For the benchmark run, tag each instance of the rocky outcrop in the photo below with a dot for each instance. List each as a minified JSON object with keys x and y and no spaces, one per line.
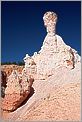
{"x":54,"y":99}
{"x":30,"y":66}
{"x":54,"y":52}
{"x":16,"y":91}
{"x":56,"y":71}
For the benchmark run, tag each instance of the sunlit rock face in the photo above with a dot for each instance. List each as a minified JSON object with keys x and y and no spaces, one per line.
{"x":16,"y":91}
{"x":54,"y":52}
{"x":56,"y":72}
{"x":50,"y":19}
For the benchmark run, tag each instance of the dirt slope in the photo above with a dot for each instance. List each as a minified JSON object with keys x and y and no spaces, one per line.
{"x":56,"y":98}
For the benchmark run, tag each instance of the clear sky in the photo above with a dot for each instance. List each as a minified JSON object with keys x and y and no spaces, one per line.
{"x":23,"y":31}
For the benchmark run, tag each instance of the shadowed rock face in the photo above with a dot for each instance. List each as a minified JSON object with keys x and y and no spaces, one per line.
{"x":3,"y":78}
{"x":3,"y":83}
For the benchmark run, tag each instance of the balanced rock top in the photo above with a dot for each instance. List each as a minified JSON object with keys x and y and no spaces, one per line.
{"x":50,"y":19}
{"x":54,"y":52}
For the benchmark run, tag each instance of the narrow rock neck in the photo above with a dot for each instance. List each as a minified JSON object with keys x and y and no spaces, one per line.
{"x":51,"y":30}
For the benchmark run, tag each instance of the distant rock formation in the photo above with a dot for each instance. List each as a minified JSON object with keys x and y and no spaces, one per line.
{"x":9,"y":68}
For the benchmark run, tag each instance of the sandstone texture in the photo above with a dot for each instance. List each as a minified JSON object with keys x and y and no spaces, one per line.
{"x":55,"y":76}
{"x":56,"y":98}
{"x":16,"y":91}
{"x":54,"y":52}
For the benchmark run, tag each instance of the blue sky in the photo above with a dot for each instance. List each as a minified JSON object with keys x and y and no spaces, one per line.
{"x":23,"y":31}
